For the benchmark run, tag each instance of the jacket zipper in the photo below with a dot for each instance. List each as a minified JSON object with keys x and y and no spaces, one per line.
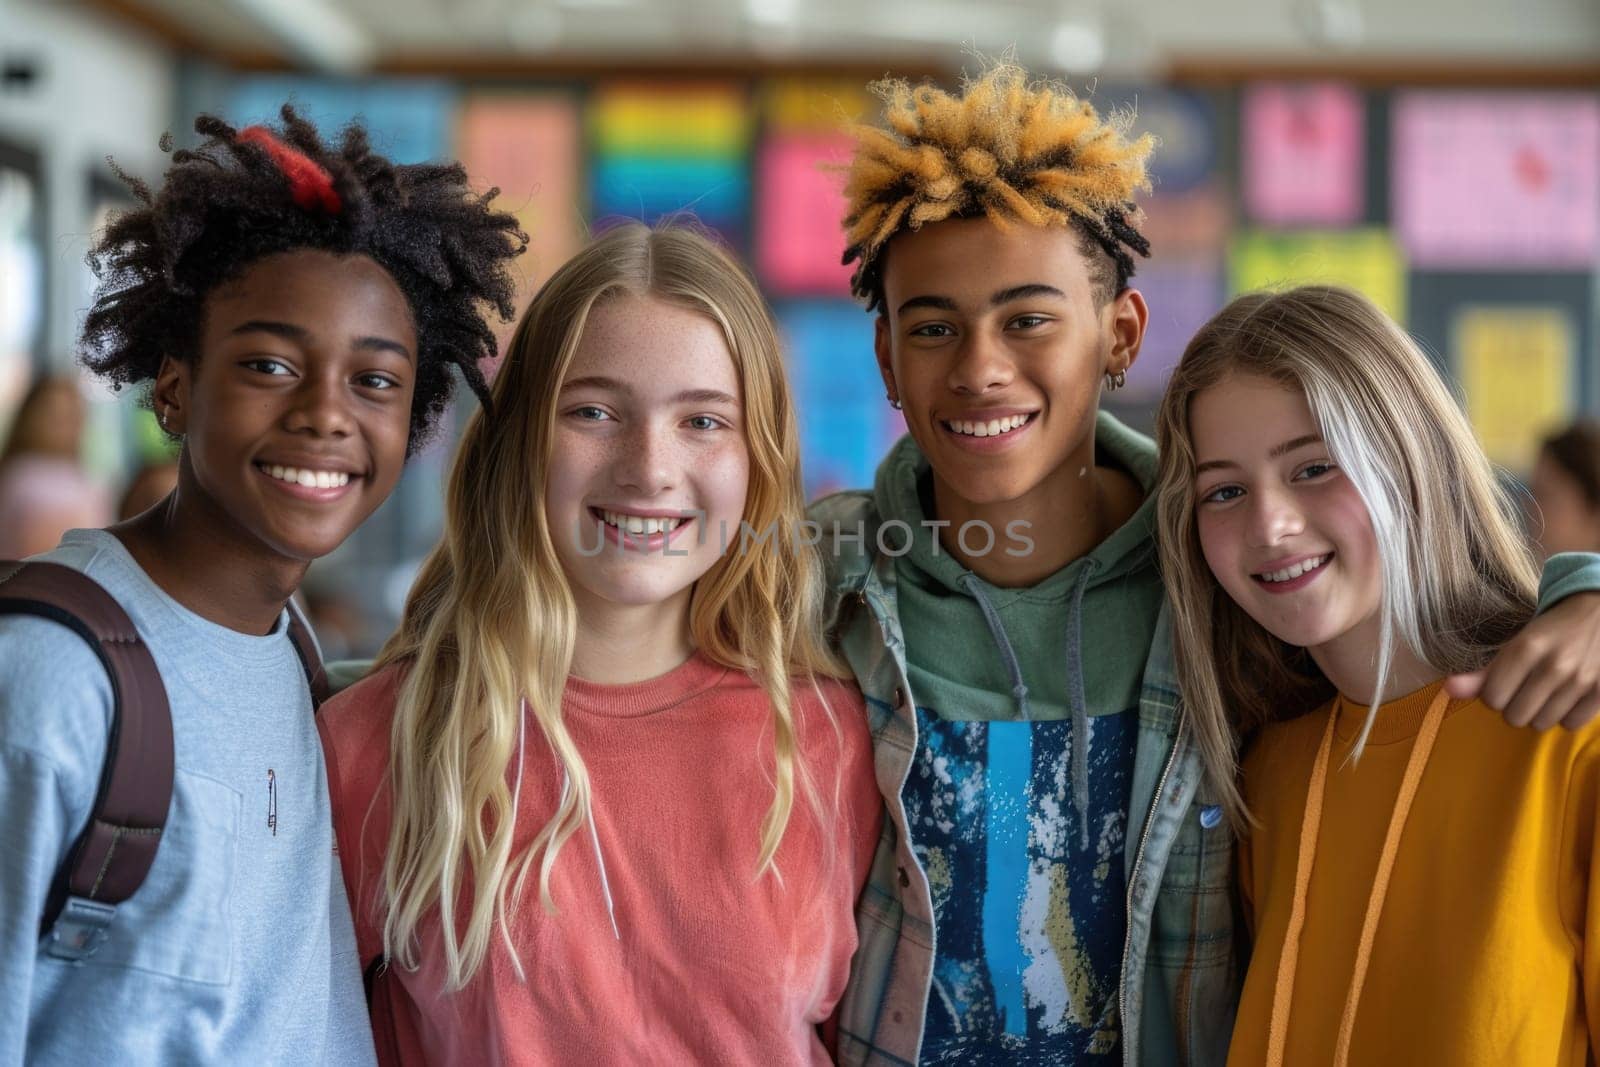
{"x":878,"y":620}
{"x":1133,"y":880}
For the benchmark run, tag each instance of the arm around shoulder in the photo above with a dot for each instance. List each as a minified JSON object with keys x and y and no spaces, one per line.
{"x":1567,"y":573}
{"x":1549,"y":674}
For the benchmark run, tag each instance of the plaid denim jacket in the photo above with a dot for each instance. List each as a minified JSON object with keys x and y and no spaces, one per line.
{"x":1181,"y":970}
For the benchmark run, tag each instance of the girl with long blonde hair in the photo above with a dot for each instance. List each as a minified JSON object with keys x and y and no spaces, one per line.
{"x":1419,"y":876}
{"x":605,"y":797}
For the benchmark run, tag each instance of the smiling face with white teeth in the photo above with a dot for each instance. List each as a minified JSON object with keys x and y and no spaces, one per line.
{"x":649,"y":462}
{"x":997,"y":344}
{"x":297,"y":411}
{"x":1283,"y":530}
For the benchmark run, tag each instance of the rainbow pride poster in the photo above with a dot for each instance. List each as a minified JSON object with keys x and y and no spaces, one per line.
{"x":663,"y":150}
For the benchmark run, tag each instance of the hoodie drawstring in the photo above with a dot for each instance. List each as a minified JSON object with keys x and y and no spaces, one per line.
{"x":1289,"y":961}
{"x":1019,"y":690}
{"x":1075,"y":693}
{"x":1080,"y":706}
{"x":566,"y":787}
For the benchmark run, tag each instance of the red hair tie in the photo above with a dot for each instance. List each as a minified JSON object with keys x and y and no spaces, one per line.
{"x":309,"y":183}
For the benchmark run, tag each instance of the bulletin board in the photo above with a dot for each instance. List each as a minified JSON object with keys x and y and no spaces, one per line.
{"x":1446,"y":207}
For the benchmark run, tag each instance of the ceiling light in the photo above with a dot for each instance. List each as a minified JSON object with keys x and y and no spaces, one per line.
{"x":315,"y":32}
{"x":1078,"y":47}
{"x":772,"y":12}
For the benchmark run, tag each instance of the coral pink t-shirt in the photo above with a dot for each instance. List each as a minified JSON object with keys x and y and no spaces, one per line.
{"x":707,"y":964}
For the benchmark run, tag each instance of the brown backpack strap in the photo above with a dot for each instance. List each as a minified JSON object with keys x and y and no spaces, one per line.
{"x":306,"y":647}
{"x":113,"y":854}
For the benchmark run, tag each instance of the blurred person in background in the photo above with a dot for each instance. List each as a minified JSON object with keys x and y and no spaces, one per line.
{"x":1566,"y":490}
{"x":44,"y":491}
{"x":49,"y":422}
{"x":150,"y":484}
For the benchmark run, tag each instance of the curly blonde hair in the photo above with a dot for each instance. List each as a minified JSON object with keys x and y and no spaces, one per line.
{"x":1009,"y":148}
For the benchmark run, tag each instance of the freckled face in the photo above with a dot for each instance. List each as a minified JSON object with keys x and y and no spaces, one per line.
{"x":650,"y":461}
{"x":1281,"y":527}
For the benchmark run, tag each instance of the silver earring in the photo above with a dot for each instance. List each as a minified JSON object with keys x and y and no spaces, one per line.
{"x":161,"y":417}
{"x":1116,"y":381}
{"x":894,"y":403}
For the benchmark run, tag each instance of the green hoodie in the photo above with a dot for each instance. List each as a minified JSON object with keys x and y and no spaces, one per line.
{"x":954,"y":668}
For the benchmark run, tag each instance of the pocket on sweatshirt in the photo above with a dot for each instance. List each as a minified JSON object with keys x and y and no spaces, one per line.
{"x":179,"y":923}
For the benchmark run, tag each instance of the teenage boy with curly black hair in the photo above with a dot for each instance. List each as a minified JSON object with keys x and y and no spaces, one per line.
{"x":293,"y":308}
{"x":1054,"y":880}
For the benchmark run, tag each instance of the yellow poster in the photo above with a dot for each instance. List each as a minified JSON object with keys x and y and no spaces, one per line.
{"x":679,"y":121}
{"x":1368,"y":261}
{"x":1516,"y":369}
{"x":816,"y":105}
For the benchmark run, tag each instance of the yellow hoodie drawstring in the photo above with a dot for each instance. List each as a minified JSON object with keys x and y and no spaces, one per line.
{"x":1289,"y":961}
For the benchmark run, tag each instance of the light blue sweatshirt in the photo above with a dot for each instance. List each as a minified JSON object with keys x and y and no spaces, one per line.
{"x":238,"y":948}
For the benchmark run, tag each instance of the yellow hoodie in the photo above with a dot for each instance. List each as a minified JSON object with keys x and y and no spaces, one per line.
{"x":1479,"y":951}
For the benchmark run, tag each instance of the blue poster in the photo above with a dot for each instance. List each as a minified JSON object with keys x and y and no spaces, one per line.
{"x":846,"y":425}
{"x":408,"y":120}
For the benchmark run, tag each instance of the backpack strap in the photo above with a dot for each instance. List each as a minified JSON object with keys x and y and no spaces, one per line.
{"x":310,"y":658}
{"x":113,"y":854}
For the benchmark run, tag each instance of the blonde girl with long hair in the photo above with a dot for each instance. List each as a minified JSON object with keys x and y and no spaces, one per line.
{"x":1418,"y":875}
{"x":604,"y":798}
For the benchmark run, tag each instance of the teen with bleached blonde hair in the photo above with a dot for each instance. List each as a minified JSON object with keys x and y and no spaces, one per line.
{"x":1335,"y":544}
{"x":595,"y":650}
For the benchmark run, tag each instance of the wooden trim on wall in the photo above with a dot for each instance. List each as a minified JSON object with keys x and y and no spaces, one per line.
{"x":655,"y":67}
{"x":1385,"y":72}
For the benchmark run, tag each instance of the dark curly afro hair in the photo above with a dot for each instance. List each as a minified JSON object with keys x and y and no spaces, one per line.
{"x":242,"y":196}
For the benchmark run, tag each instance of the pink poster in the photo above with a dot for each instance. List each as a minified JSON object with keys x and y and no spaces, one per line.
{"x":528,"y":146}
{"x":1498,"y":180}
{"x":1304,"y":154}
{"x":800,"y":205}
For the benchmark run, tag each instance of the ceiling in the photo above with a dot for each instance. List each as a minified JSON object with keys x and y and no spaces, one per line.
{"x":1081,"y":37}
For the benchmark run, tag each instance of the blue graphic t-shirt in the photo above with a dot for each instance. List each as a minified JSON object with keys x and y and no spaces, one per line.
{"x":1030,"y":924}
